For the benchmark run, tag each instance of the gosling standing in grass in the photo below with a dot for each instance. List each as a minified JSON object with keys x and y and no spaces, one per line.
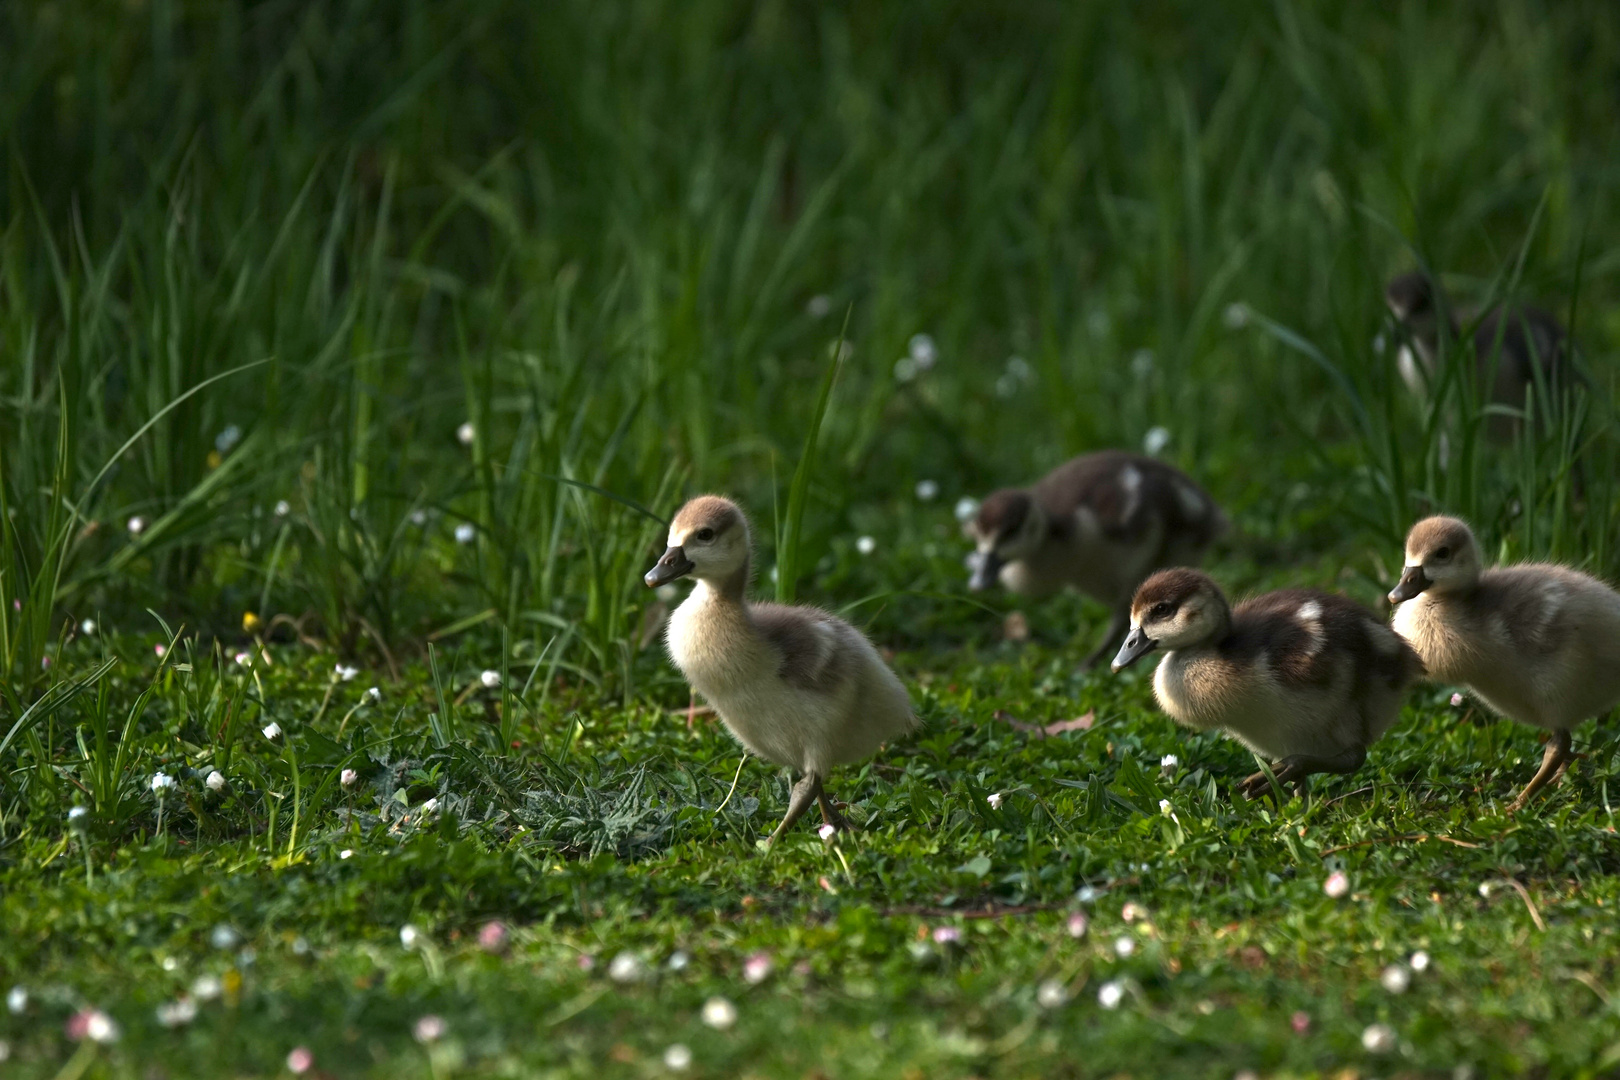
{"x":1099,"y":523}
{"x":795,"y":685}
{"x":1308,"y":679}
{"x":1535,"y":642}
{"x":1515,"y":346}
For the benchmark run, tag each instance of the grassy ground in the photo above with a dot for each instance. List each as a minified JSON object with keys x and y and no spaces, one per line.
{"x":327,"y":326}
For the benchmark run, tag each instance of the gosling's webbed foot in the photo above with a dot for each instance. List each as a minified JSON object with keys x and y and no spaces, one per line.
{"x":1554,"y":762}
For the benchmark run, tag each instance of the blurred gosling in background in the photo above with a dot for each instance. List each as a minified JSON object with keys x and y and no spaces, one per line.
{"x":1100,"y":524}
{"x":1536,"y":642}
{"x":1307,"y":679}
{"x":1516,"y":347}
{"x":798,"y":687}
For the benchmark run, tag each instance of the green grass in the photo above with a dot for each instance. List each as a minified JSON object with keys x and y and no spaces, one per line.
{"x":263,"y":266}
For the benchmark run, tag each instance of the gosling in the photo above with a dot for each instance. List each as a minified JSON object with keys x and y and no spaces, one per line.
{"x":795,"y":685}
{"x":1307,"y":679}
{"x":1100,"y":524}
{"x":1515,"y":346}
{"x":1535,"y":642}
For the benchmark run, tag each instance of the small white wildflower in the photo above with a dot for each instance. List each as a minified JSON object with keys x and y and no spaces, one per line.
{"x":161,"y":782}
{"x":374,"y":694}
{"x":927,"y":490}
{"x":1456,"y":701}
{"x":466,"y":433}
{"x":77,"y":816}
{"x":1124,"y":946}
{"x":994,"y":799}
{"x":1378,"y":1039}
{"x":176,"y":1013}
{"x":465,"y":533}
{"x":417,"y":518}
{"x":272,"y":731}
{"x":627,"y":968}
{"x":215,"y":780}
{"x":1396,"y":978}
{"x":1077,"y":924}
{"x":678,"y":960}
{"x":99,"y":1027}
{"x":87,"y":627}
{"x":346,"y":853}
{"x":429,"y":807}
{"x":1019,"y":368}
{"x":207,"y":987}
{"x":224,"y":937}
{"x":136,"y":525}
{"x":17,"y":999}
{"x":490,"y":678}
{"x":1419,"y":961}
{"x":1051,"y":994}
{"x":1156,"y":439}
{"x":300,"y":1060}
{"x":1142,"y":363}
{"x":345,"y":673}
{"x":719,"y":1013}
{"x":347,"y":777}
{"x":245,"y":659}
{"x":966,"y":507}
{"x":677,"y":1058}
{"x":922,"y":351}
{"x":1132,"y":911}
{"x":1086,"y":894}
{"x":409,"y":936}
{"x":1169,"y":763}
{"x":427,"y":1029}
{"x":865,"y":545}
{"x":1485,"y":890}
{"x":1336,"y":885}
{"x":827,"y":831}
{"x":1164,"y":807}
{"x":1237,"y":316}
{"x":947,"y":935}
{"x":227,"y":438}
{"x":283,"y":508}
{"x":1110,"y":994}
{"x":905,"y":369}
{"x":818,"y":306}
{"x":757,"y":968}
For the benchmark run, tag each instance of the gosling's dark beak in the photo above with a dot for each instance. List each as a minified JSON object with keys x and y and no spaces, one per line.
{"x":986,"y":571}
{"x":1413,"y":581}
{"x":671,"y":565}
{"x":1137,"y":645}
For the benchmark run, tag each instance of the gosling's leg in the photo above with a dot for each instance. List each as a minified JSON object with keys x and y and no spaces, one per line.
{"x":805,"y":792}
{"x":1118,"y":625}
{"x":830,"y":814}
{"x":1294,"y":768}
{"x":1554,"y":760}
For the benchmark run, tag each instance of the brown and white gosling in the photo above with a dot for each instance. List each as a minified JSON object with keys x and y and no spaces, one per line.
{"x":1515,"y":345}
{"x":1100,"y":524}
{"x":796,"y":686}
{"x":1536,"y":642}
{"x":1307,"y":679}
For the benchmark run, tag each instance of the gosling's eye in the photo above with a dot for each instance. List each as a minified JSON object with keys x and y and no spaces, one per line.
{"x":704,"y":535}
{"x":1162,"y":610}
{"x":1443,"y":554}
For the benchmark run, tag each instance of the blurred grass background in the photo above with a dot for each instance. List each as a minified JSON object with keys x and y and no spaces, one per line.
{"x":619,"y":243}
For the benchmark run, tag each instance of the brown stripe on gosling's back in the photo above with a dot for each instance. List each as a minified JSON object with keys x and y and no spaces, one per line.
{"x":1284,"y":626}
{"x":1098,"y":482}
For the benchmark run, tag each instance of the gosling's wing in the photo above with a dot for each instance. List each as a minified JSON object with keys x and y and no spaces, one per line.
{"x":807,"y":642}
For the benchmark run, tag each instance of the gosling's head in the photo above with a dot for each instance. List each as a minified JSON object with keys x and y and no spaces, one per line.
{"x":1009,"y":526}
{"x":1411,"y":298}
{"x":1442,"y":556}
{"x":1173,"y":609}
{"x":708,"y":539}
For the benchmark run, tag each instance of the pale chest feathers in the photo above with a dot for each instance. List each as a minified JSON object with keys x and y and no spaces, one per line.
{"x":1450,"y":653}
{"x":1194,"y":689}
{"x":715,"y":646}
